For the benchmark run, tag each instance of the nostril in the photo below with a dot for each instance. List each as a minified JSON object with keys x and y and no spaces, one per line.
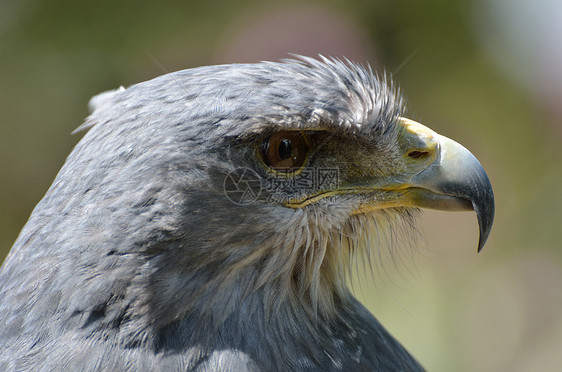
{"x":418,"y":154}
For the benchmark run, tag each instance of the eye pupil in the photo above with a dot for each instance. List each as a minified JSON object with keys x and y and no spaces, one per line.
{"x":285,"y":150}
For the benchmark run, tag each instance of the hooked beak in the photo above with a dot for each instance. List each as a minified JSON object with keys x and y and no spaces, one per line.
{"x":453,"y":180}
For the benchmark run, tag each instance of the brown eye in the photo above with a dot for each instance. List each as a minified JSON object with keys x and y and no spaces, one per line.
{"x":284,"y":151}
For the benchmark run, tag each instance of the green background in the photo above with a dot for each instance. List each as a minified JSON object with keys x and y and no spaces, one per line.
{"x":454,"y":309}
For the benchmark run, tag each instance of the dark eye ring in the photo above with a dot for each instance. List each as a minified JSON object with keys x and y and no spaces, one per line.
{"x":285,"y":151}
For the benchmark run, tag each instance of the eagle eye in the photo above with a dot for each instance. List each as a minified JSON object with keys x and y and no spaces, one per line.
{"x":285,"y":151}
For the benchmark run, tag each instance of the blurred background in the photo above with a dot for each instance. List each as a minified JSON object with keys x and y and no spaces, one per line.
{"x":487,"y":73}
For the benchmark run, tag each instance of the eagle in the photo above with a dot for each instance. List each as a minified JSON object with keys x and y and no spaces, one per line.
{"x":209,"y":218}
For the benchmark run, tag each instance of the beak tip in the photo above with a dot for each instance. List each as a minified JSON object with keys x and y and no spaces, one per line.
{"x":485,"y":210}
{"x":481,"y":243}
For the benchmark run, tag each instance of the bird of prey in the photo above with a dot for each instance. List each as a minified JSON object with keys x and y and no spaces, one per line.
{"x":209,"y":218}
